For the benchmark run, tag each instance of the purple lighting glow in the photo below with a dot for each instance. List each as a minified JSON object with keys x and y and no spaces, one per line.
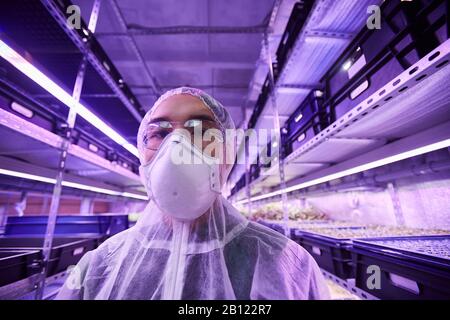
{"x":71,"y":184}
{"x":51,"y":87}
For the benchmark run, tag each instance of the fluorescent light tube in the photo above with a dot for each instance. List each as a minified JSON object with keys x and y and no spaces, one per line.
{"x":71,"y":184}
{"x":298,"y":117}
{"x":89,"y":188}
{"x":347,"y":65}
{"x":22,"y":110}
{"x":51,"y":87}
{"x":27,"y":176}
{"x":357,"y":169}
{"x":133,"y":195}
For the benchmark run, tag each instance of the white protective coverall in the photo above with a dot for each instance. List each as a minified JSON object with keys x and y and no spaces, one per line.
{"x":220,"y":255}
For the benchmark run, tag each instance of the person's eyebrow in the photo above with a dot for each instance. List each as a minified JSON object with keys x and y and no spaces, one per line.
{"x":158,"y":119}
{"x":202,"y":117}
{"x":191,"y":117}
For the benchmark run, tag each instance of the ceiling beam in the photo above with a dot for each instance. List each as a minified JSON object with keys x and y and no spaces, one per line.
{"x":199,"y":86}
{"x":216,"y":64}
{"x":93,"y":57}
{"x":85,"y":96}
{"x":138,"y":30}
{"x":133,"y":45}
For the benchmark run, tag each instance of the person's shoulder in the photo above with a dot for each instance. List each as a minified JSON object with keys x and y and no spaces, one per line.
{"x":114,"y":242}
{"x":107,"y":248}
{"x":97,"y":261}
{"x":271,"y":240}
{"x":258,"y":228}
{"x":263,"y":237}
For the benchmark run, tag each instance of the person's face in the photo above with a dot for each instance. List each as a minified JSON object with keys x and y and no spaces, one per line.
{"x":179,"y":109}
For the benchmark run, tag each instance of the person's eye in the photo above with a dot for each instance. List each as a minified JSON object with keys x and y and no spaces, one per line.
{"x":160,"y":134}
{"x":157,"y":134}
{"x":193,"y":123}
{"x":164,"y":124}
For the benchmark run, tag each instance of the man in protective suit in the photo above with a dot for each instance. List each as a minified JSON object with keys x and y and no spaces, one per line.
{"x":190,"y":242}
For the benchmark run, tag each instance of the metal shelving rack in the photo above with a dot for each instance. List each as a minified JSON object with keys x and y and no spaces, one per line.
{"x":17,"y":132}
{"x":85,"y":41}
{"x":54,"y":159}
{"x":272,"y":37}
{"x":328,"y":30}
{"x":349,"y":285}
{"x":409,"y":112}
{"x":24,"y":289}
{"x":45,"y":146}
{"x":330,"y":27}
{"x":407,"y":117}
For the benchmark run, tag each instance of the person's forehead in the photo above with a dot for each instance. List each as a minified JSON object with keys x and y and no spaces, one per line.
{"x":180,"y":107}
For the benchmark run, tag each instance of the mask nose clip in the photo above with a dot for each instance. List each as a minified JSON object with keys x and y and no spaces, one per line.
{"x":176,"y":138}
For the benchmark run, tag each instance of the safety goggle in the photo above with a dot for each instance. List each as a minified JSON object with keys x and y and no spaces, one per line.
{"x":159,"y":130}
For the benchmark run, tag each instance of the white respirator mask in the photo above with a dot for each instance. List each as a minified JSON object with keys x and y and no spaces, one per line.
{"x":181,"y":180}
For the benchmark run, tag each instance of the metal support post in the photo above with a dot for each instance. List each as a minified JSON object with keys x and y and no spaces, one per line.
{"x":86,"y":206}
{"x":22,"y":204}
{"x":2,"y":215}
{"x":48,"y":241}
{"x":393,"y":193}
{"x":247,"y":177}
{"x":276,"y":122}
